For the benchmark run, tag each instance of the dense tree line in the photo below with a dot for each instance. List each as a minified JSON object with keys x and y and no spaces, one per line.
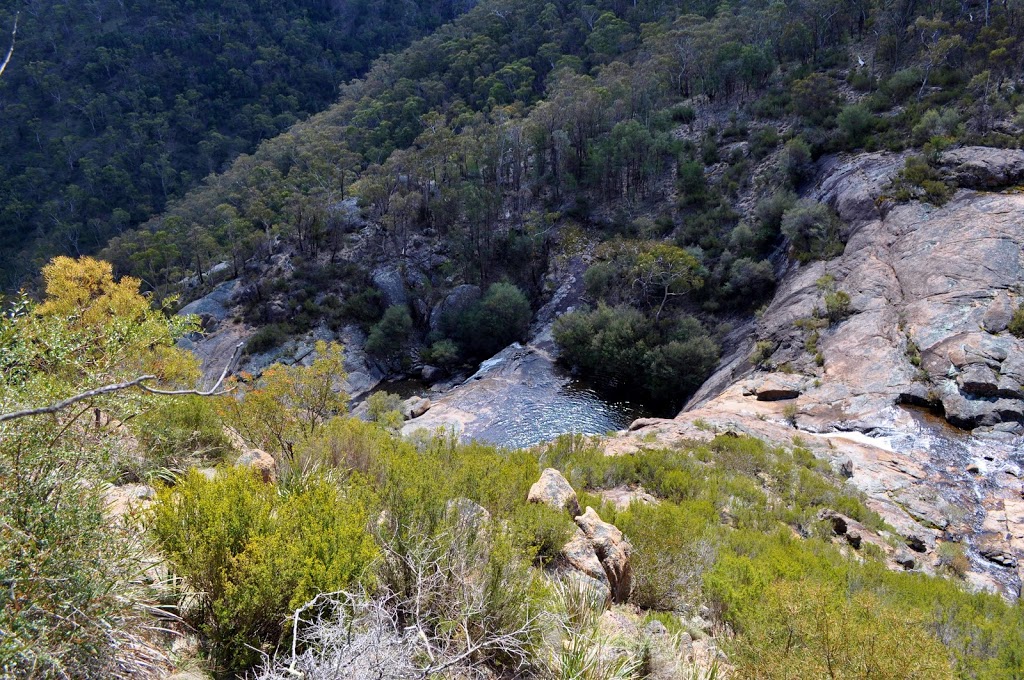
{"x":111,"y":109}
{"x":518,"y":125}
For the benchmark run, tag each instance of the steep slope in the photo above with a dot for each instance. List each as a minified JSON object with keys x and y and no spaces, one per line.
{"x":110,"y":109}
{"x":931,"y":291}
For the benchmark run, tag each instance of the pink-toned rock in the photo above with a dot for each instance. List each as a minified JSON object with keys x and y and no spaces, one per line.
{"x":554,"y":490}
{"x":612,"y":549}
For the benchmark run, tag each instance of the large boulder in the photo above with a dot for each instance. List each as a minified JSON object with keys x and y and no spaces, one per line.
{"x":389,"y":282}
{"x":414,"y":407}
{"x":579,"y":553}
{"x":260,"y":461}
{"x":453,"y":304}
{"x":612,"y":549}
{"x":554,"y":490}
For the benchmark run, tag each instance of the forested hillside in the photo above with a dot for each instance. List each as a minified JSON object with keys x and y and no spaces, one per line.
{"x":110,"y":109}
{"x":667,"y":140}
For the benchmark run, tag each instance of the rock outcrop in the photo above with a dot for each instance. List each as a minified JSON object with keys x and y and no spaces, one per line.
{"x":612,"y":550}
{"x":552,"y":489}
{"x":932,"y":290}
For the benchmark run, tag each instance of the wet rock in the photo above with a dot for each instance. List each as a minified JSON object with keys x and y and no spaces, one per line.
{"x":554,"y":490}
{"x":612,"y":549}
{"x":453,"y":304}
{"x":260,"y":461}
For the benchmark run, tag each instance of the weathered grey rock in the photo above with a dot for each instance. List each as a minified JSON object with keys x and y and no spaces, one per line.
{"x":979,"y":167}
{"x":431,"y":373}
{"x":778,"y":387}
{"x":454,"y":303}
{"x":467,"y":514}
{"x":389,"y":282}
{"x":1000,"y":557}
{"x":612,"y":549}
{"x":979,"y":380}
{"x":554,"y":490}
{"x":997,"y":316}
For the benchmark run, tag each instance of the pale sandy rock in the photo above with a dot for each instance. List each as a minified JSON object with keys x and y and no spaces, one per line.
{"x":553,"y":490}
{"x":612,"y":549}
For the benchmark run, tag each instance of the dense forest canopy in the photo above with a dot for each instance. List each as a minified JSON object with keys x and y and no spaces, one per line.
{"x":503,"y":135}
{"x":110,"y":109}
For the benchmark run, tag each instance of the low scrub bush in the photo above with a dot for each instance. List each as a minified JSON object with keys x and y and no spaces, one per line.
{"x":248,"y":556}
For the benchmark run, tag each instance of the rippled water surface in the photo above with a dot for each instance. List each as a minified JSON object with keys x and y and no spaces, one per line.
{"x":540,"y":413}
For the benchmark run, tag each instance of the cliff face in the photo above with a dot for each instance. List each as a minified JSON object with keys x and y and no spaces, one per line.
{"x":931,"y":291}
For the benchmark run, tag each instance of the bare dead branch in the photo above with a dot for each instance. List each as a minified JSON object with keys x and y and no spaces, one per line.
{"x":10,"y":50}
{"x":118,"y":387}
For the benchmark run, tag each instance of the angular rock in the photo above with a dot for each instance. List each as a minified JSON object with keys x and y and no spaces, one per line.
{"x":467,"y":514}
{"x":778,"y":387}
{"x":904,"y":559}
{"x":997,"y":316}
{"x":612,"y":549}
{"x":582,"y":557}
{"x":979,"y":380}
{"x":554,"y":490}
{"x":1000,"y":557}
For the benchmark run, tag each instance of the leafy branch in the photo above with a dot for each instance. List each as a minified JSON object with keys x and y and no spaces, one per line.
{"x":117,"y":387}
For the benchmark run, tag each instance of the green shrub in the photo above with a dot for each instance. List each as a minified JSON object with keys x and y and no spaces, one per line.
{"x":953,"y":559}
{"x":267,"y":338}
{"x":72,"y":604}
{"x":807,"y":629}
{"x":178,"y":433}
{"x":248,"y":555}
{"x":763,"y":351}
{"x":813,"y":229}
{"x":672,"y":547}
{"x":1016,"y":325}
{"x":501,"y":317}
{"x":391,"y":334}
{"x":855,"y":121}
{"x":444,"y":353}
{"x":385,"y":408}
{"x":837,"y":305}
{"x":795,"y":162}
{"x":365,"y":307}
{"x":621,"y":347}
{"x":543,"y":531}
